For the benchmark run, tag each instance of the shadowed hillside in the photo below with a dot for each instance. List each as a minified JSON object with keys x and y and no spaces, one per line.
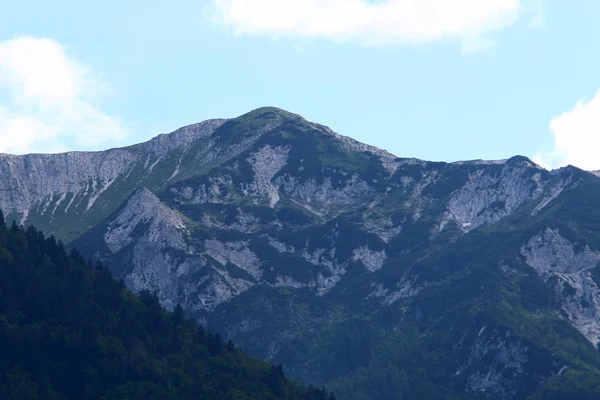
{"x":68,"y":330}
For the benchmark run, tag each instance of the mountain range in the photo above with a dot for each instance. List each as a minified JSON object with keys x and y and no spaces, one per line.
{"x":380,"y":277}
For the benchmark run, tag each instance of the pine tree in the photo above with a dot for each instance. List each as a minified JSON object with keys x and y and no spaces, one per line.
{"x":215,"y":344}
{"x":177,"y":317}
{"x":200,"y":335}
{"x":230,"y":346}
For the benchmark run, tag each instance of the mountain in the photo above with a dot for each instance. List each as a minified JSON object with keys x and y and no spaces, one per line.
{"x":381,"y":277}
{"x":70,"y":331}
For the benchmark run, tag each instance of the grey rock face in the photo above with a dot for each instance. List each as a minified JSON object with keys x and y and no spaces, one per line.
{"x":164,"y":226}
{"x":266,"y":163}
{"x":372,"y":260}
{"x":162,"y":258}
{"x":382,"y":226}
{"x":404,"y":289}
{"x":553,"y":256}
{"x":215,"y":191}
{"x":486,"y":197}
{"x":49,"y":183}
{"x":496,"y":362}
{"x":322,"y":196}
{"x":236,"y":253}
{"x":550,"y":253}
{"x":323,"y":257}
{"x":49,"y":180}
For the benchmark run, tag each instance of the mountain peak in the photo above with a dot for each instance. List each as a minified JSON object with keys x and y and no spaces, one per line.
{"x":267,"y":223}
{"x":522,"y":161}
{"x":269,"y":112}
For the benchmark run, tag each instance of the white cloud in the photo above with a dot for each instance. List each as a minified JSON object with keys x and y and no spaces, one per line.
{"x":372,"y":22}
{"x":576,"y":136}
{"x":537,"y":13}
{"x":47,"y":99}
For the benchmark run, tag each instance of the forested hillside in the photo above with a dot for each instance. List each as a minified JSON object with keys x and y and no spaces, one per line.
{"x":68,"y":330}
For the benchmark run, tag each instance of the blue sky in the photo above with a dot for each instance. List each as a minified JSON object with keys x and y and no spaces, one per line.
{"x":439,"y":80}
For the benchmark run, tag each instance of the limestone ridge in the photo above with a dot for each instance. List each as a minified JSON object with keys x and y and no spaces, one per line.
{"x":43,"y":188}
{"x":268,"y":211}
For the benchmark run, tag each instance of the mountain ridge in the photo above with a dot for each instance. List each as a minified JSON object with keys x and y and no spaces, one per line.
{"x":190,"y":130}
{"x":344,"y":262}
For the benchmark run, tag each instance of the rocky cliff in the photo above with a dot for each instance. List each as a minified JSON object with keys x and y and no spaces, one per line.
{"x":47,"y":189}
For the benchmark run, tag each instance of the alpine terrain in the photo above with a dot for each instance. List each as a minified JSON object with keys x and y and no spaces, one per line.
{"x":69,"y":331}
{"x":377,"y":276}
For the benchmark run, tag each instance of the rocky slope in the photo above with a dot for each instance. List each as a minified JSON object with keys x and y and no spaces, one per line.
{"x":338,"y":259}
{"x":47,"y":189}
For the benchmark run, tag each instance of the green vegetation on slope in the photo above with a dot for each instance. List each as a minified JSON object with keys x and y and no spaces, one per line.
{"x":470,"y":318}
{"x":449,"y":315}
{"x":68,"y":330}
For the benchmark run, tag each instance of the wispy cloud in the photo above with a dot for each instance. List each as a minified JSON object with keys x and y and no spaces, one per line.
{"x":373,"y":22}
{"x":576,"y":135}
{"x":537,"y":13}
{"x":49,"y":99}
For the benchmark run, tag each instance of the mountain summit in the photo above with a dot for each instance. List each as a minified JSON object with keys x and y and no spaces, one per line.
{"x":382,"y":277}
